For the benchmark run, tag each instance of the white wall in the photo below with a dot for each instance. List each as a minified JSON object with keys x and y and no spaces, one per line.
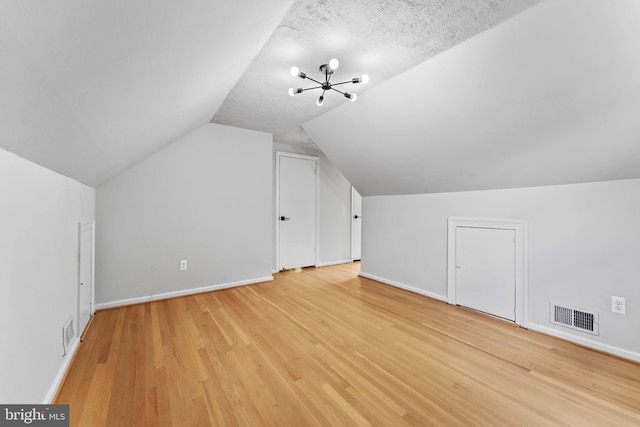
{"x":335,"y":208}
{"x":207,"y":198}
{"x":39,"y":215}
{"x":584,"y":247}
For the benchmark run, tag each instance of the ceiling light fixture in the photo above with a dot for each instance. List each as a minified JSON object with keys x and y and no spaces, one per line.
{"x":327,"y":70}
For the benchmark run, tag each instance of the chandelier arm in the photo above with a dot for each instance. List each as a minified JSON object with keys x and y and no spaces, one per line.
{"x":315,"y":87}
{"x":341,"y":83}
{"x":339,"y":91}
{"x":315,"y":81}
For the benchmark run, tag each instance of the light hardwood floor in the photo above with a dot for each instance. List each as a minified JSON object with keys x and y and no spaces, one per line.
{"x":326,"y":347}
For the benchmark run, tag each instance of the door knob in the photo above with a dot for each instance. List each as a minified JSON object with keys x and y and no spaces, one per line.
{"x":284,"y":218}
{"x":357,"y":216}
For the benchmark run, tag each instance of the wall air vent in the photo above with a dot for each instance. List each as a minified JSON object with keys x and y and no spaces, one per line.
{"x":574,"y":318}
{"x":67,"y":336}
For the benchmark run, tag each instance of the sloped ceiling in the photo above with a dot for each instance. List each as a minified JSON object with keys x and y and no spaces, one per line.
{"x":551,"y":96}
{"x":381,"y":38}
{"x":502,"y":93}
{"x":89,"y":88}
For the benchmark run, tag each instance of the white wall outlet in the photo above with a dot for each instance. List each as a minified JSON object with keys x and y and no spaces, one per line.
{"x":183,"y":265}
{"x":619,"y":305}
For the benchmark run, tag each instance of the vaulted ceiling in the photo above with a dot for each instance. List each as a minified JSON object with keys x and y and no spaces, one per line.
{"x":549,"y":97}
{"x":90,"y":88}
{"x":464,"y":95}
{"x":380,"y":38}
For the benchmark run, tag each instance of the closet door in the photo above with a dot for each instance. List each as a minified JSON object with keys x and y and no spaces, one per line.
{"x":297,"y":211}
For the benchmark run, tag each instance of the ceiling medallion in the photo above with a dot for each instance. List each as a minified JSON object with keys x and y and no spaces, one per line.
{"x":327,"y":70}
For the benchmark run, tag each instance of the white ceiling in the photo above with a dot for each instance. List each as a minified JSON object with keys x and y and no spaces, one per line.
{"x":551,"y":96}
{"x":501,"y":94}
{"x":89,"y":88}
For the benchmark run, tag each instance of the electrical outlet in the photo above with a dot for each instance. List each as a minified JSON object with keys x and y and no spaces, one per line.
{"x":619,"y":305}
{"x":183,"y":265}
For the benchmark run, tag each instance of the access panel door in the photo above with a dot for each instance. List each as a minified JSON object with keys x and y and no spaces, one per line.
{"x":485,"y":270}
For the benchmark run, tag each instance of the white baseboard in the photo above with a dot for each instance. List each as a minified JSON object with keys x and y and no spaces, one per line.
{"x":180,"y":293}
{"x":57,"y":382}
{"x":326,"y":264}
{"x":403,"y":286}
{"x":621,"y":352}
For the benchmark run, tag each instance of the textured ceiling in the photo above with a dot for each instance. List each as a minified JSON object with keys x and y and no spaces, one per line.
{"x":381,"y":38}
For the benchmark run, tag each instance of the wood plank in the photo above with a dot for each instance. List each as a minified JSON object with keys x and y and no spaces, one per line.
{"x":323,"y":346}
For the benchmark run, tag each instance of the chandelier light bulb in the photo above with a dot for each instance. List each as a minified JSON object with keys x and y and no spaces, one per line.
{"x":350,"y":96}
{"x":364,"y":78}
{"x":294,"y":71}
{"x":334,"y":64}
{"x":291,"y":93}
{"x":320,"y":101}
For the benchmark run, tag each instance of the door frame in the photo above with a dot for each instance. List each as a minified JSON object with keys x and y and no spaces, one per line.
{"x":280,"y":155}
{"x":521,"y":256}
{"x":83,"y":226}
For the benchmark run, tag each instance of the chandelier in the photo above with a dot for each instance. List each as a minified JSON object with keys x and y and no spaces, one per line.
{"x":327,"y":70}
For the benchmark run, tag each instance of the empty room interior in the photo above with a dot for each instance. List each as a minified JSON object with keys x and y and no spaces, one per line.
{"x":321,"y":212}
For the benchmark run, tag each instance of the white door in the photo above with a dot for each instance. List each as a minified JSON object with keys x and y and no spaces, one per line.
{"x":485,"y":270}
{"x":356,"y":225}
{"x":296,"y":211}
{"x":85,"y":285}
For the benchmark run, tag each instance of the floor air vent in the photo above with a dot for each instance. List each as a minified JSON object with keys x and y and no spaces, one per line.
{"x":574,"y":318}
